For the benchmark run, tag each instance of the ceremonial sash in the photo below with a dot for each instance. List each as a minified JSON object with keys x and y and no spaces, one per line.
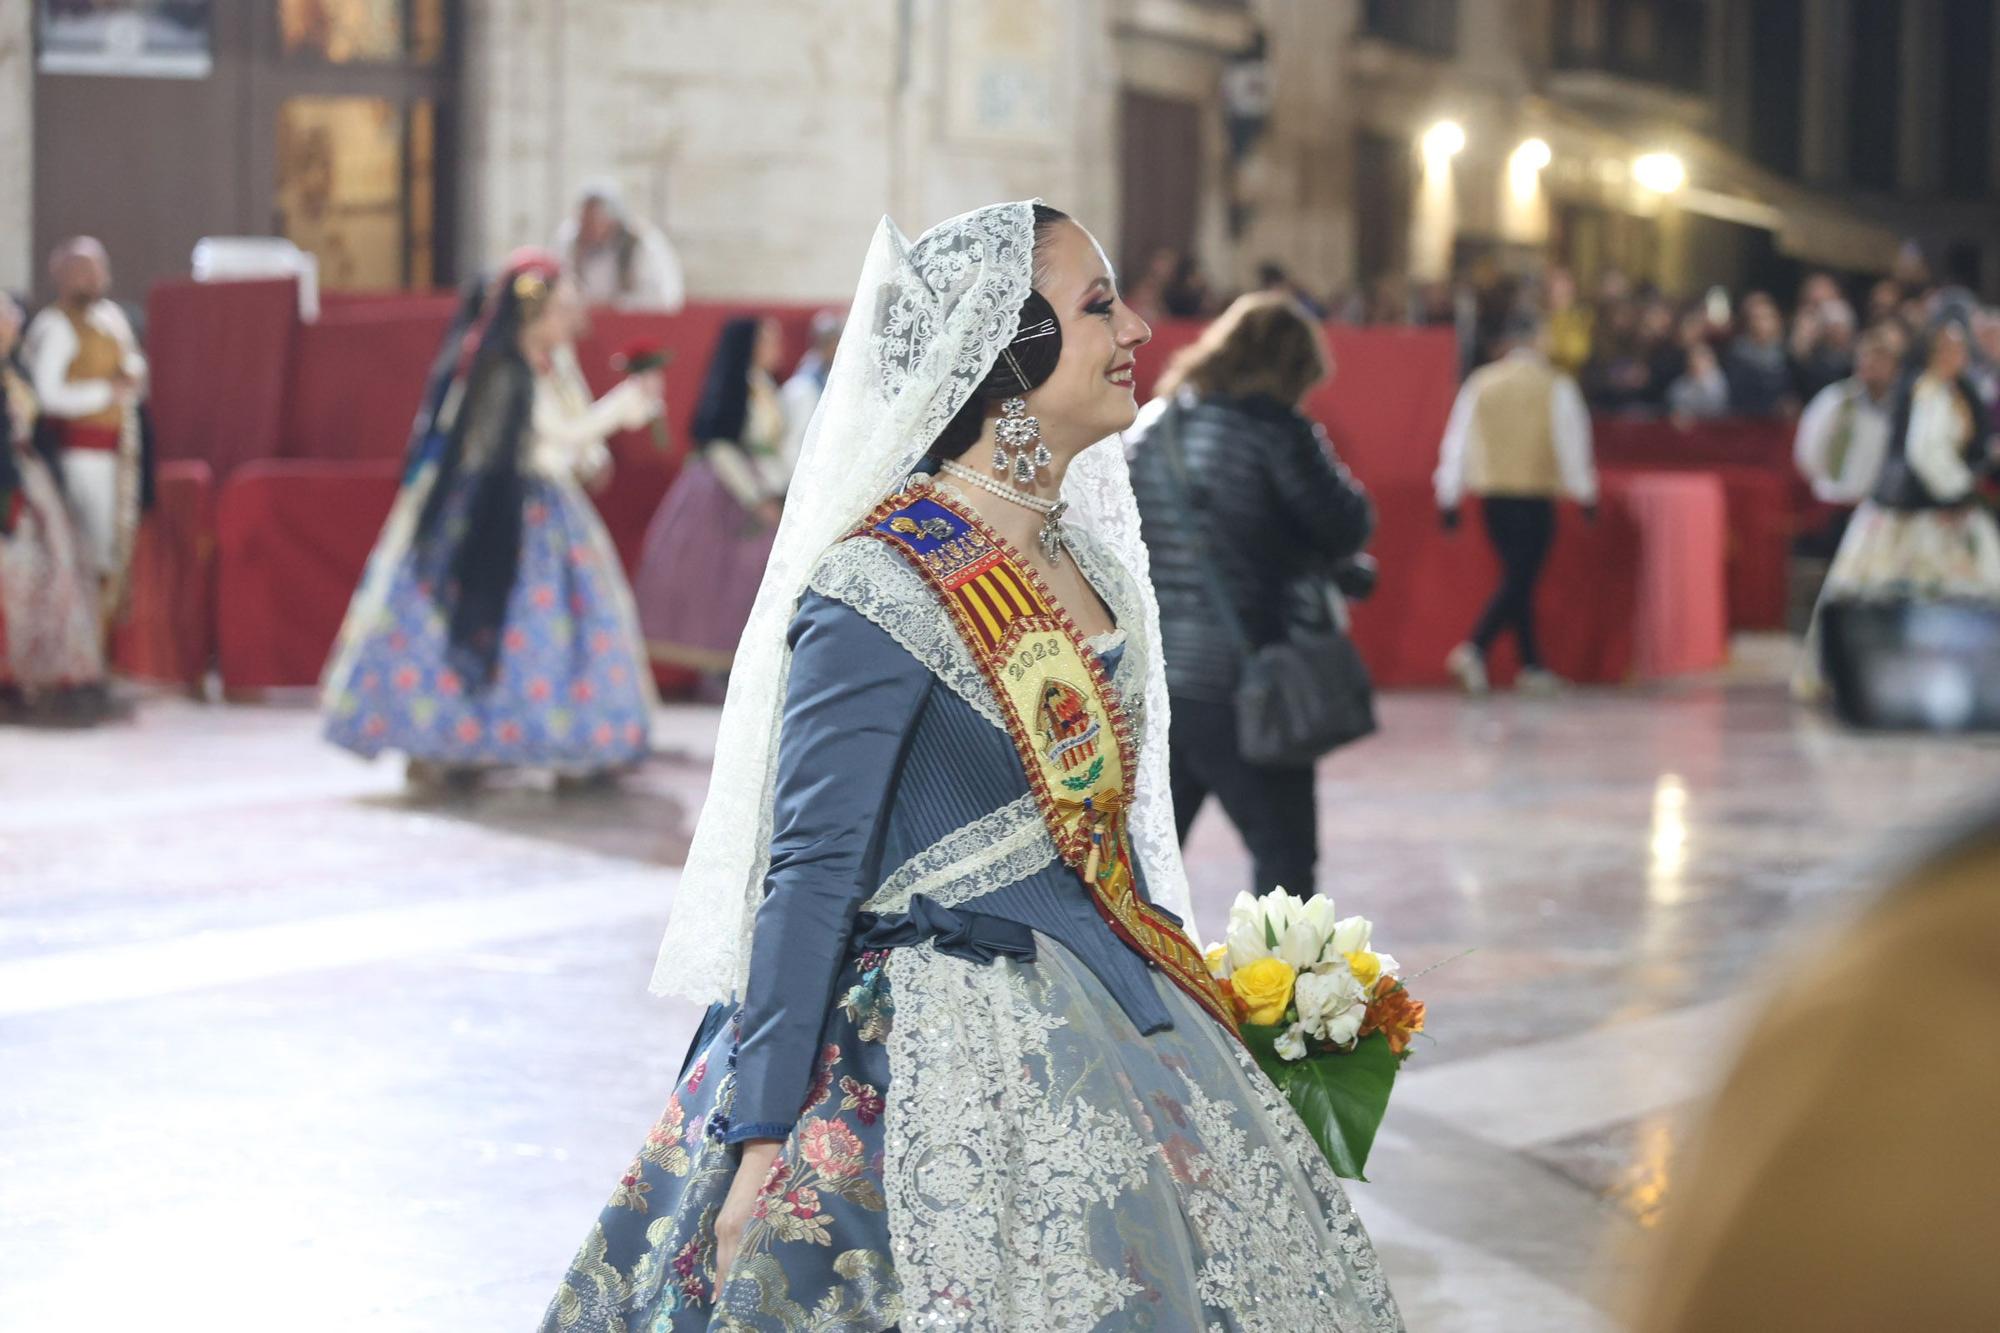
{"x":1072,"y":735}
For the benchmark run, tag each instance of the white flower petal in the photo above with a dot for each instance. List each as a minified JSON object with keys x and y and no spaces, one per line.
{"x":1352,"y":934}
{"x":1291,"y":1043}
{"x":1246,"y":944}
{"x":1300,"y":945}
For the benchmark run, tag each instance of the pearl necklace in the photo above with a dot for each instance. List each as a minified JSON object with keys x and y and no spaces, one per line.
{"x":1051,"y":535}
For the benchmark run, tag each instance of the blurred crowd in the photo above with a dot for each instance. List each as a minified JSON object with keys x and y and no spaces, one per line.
{"x":1639,"y":351}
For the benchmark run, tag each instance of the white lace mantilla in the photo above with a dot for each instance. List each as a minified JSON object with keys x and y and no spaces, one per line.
{"x":989,"y":853}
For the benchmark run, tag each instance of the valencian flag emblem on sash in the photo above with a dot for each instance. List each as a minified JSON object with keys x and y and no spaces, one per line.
{"x":1065,"y":720}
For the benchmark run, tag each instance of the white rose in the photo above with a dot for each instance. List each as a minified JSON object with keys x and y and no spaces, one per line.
{"x":1291,"y":1043}
{"x":1351,"y":936}
{"x":1331,"y":1003}
{"x":1246,"y":944}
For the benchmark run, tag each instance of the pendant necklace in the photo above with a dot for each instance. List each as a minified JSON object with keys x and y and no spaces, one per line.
{"x":1051,"y":535}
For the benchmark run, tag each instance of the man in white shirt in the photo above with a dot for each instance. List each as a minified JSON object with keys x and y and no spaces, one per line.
{"x":1843,"y":436}
{"x":1518,"y":437}
{"x":90,"y":376}
{"x":618,"y":260}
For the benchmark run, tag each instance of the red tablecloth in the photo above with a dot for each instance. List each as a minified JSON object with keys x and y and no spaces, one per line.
{"x":1638,"y":594}
{"x":168,"y":633}
{"x":220,"y":354}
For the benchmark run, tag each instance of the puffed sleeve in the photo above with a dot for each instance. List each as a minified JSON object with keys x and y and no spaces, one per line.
{"x":850,"y":701}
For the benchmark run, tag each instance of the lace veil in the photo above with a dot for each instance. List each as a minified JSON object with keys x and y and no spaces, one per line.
{"x":927,"y":322}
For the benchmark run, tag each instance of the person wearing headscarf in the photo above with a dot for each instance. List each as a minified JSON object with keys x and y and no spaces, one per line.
{"x":86,"y":368}
{"x":50,"y":648}
{"x":493,"y":627}
{"x":1924,"y":532}
{"x":963,"y":1066}
{"x":707,"y":543}
{"x":617,"y":259}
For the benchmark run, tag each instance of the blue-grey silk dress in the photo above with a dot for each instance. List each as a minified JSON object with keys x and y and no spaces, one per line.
{"x":995,"y":1114}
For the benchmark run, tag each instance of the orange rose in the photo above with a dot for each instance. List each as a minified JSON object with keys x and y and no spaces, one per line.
{"x":1393,"y":1013}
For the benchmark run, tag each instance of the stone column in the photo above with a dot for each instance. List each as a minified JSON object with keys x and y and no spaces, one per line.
{"x":1827,"y":59}
{"x":1919,"y":156}
{"x":1305,"y":164}
{"x":17,"y":144}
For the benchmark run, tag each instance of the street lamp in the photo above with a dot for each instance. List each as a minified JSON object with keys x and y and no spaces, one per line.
{"x":1442,"y":142}
{"x":1662,"y":173}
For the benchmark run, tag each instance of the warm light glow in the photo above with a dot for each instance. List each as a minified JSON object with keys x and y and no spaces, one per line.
{"x":1531,"y":156}
{"x":1443,"y":141}
{"x":1662,"y":173}
{"x":1524,"y":186}
{"x":1669,"y":842}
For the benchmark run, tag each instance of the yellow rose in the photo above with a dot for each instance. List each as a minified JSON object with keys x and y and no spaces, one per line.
{"x":1263,"y":989}
{"x":1217,"y":959}
{"x":1367,"y":967}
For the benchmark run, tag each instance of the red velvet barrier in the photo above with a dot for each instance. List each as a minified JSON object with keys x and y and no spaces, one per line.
{"x":1638,"y":594}
{"x":1385,"y":406}
{"x":292,"y":538}
{"x":1770,"y":504}
{"x":168,"y":634}
{"x":220,"y":356}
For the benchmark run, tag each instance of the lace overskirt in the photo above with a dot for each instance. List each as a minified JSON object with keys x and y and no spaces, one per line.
{"x":990,"y":1147}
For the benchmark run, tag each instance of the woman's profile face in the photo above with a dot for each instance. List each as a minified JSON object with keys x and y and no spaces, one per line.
{"x":769,"y":349}
{"x":1089,"y":394}
{"x":1948,"y":356}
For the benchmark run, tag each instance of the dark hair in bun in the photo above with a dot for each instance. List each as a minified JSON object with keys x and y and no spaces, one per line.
{"x":1033,"y":356}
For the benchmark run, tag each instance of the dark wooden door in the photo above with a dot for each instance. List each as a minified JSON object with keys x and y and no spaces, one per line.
{"x":1160,"y":156}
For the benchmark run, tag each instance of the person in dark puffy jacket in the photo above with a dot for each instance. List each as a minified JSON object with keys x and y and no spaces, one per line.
{"x":1266,"y":502}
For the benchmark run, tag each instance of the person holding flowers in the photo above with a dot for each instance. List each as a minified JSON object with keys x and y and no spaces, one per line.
{"x":963,"y":1067}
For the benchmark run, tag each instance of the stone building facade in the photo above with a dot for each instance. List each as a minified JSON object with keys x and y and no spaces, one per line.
{"x":768,"y":135}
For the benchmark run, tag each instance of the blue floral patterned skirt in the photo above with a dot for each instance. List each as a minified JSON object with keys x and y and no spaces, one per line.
{"x":1035,"y":1163}
{"x":819,"y":1240}
{"x":570,"y":691}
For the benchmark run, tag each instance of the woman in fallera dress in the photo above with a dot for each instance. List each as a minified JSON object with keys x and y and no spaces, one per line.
{"x":493,"y":627}
{"x":961,"y":1068}
{"x":50,"y":649}
{"x":707,"y":544}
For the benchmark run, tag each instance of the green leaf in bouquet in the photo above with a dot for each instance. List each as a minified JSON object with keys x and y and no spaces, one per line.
{"x":1341,"y":1097}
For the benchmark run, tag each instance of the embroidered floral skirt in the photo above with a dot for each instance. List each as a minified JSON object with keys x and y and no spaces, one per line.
{"x":48,"y":593}
{"x":989,"y":1147}
{"x":571,"y":691}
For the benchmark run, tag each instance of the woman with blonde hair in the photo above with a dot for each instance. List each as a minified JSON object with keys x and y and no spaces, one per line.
{"x":1240,"y":497}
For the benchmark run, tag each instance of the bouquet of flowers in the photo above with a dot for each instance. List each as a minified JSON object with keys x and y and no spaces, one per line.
{"x":1325,"y":1015}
